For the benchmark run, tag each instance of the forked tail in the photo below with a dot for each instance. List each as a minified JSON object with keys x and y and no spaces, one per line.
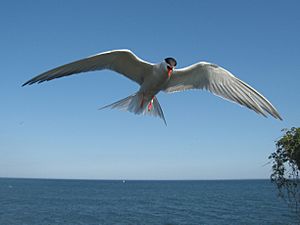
{"x":135,"y":104}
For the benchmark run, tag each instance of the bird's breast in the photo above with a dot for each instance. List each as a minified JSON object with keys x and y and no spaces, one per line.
{"x":154,"y":83}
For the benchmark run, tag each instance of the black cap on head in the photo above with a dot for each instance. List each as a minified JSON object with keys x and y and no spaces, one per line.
{"x":171,"y":61}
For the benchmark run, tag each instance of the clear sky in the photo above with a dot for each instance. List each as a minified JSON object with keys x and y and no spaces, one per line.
{"x":54,"y":129}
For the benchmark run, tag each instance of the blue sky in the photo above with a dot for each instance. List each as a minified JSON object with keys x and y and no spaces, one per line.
{"x":54,"y":129}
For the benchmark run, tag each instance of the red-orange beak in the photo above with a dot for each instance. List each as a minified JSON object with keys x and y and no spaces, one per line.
{"x":170,"y":70}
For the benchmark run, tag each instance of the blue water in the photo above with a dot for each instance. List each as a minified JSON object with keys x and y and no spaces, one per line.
{"x":43,"y":202}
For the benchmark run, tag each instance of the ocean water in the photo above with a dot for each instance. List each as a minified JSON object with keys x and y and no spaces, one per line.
{"x":97,"y":202}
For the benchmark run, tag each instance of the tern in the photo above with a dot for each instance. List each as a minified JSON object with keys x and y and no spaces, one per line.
{"x":163,"y":76}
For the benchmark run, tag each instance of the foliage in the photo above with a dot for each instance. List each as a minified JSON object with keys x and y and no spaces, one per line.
{"x":286,"y":167}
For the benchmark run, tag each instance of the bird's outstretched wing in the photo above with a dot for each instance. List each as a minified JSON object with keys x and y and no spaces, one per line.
{"x":222,"y":83}
{"x":121,"y":61}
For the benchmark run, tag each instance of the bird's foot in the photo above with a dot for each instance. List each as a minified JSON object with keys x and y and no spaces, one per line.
{"x":150,"y":105}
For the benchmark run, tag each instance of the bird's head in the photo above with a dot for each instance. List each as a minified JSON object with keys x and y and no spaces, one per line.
{"x":170,"y":65}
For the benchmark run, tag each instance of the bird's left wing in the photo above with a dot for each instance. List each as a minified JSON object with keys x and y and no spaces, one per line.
{"x":222,"y":83}
{"x":121,"y":61}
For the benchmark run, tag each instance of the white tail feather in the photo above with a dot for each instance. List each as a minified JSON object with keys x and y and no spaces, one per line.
{"x":133,"y":103}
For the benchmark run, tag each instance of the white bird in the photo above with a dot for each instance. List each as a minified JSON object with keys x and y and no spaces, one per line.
{"x":163,"y":76}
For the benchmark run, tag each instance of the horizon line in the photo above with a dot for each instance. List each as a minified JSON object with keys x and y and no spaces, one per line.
{"x":124,"y":179}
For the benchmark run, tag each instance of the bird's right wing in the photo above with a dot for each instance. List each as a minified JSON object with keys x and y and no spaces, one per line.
{"x":121,"y":61}
{"x":222,"y":83}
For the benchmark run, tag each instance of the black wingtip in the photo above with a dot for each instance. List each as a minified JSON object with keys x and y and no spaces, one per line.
{"x":29,"y":82}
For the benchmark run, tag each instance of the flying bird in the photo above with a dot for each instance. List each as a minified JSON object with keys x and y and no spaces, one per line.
{"x":163,"y":76}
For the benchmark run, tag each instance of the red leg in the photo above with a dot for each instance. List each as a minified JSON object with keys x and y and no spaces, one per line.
{"x":150,"y":105}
